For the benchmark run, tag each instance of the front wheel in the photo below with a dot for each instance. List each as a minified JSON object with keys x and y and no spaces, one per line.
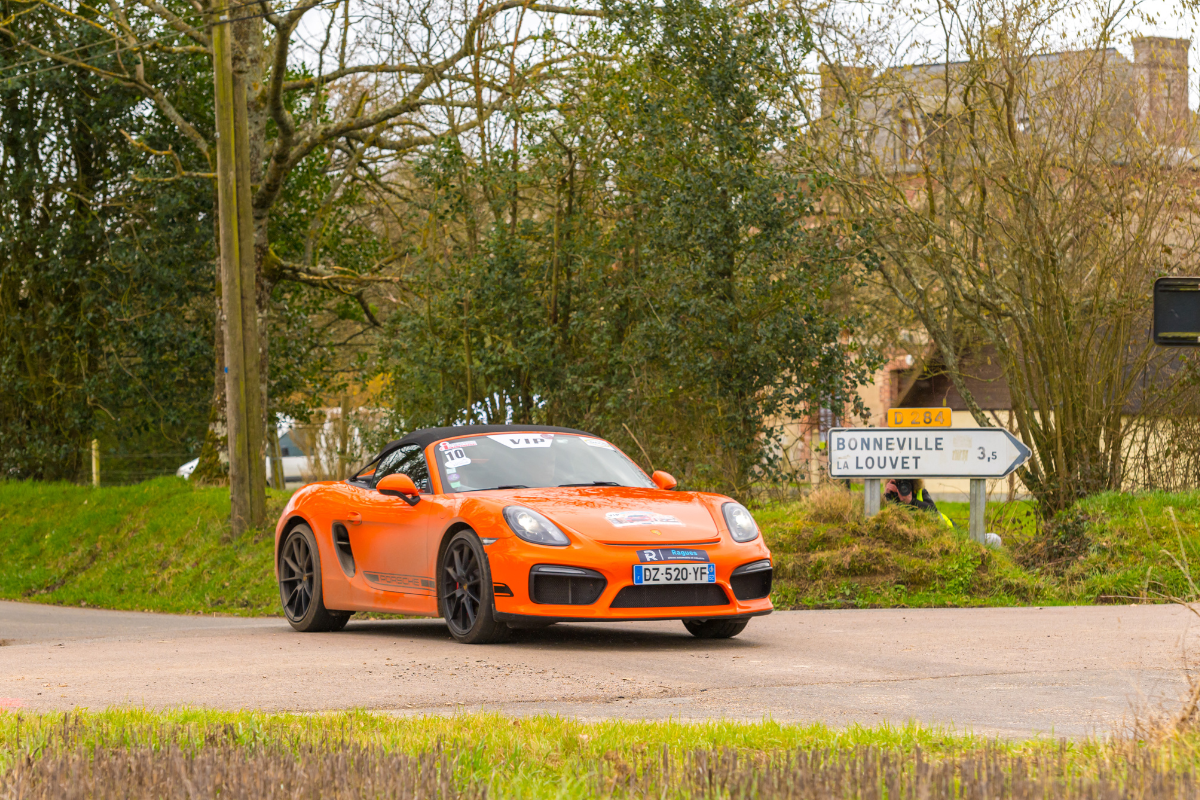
{"x":300,"y":585}
{"x":465,"y":592}
{"x":715,"y":628}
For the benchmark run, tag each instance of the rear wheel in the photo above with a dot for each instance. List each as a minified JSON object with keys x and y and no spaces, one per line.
{"x":465,"y":592}
{"x":300,"y":585}
{"x":715,"y":628}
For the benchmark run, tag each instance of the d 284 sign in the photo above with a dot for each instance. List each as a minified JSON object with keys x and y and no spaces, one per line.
{"x":900,"y":453}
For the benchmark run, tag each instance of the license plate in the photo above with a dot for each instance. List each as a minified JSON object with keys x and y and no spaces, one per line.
{"x":644,"y":574}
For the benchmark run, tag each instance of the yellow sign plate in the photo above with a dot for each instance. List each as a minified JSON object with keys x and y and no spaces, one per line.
{"x":919,"y":418}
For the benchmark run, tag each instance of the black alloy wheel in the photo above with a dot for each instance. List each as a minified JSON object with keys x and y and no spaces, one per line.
{"x":300,"y":584}
{"x":715,"y":628}
{"x":296,"y":576}
{"x":465,"y":592}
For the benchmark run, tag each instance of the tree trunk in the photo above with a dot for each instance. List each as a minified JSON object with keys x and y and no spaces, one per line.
{"x":237,"y":387}
{"x":248,"y":65}
{"x":213,"y":467}
{"x":255,"y":417}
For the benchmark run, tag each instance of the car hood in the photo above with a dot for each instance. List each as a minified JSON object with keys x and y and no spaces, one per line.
{"x":626,"y":515}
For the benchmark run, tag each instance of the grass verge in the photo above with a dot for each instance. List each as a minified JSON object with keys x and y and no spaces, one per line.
{"x":189,"y":753}
{"x":1110,"y":548}
{"x":164,"y":545}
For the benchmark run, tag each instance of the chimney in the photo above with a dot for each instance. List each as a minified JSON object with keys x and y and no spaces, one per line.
{"x":1161,"y":69}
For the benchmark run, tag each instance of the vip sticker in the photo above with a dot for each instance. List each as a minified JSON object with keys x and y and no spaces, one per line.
{"x":520,"y":441}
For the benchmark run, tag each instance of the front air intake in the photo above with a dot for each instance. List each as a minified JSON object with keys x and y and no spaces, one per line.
{"x":683,"y":594}
{"x":752,"y":581}
{"x":550,"y":584}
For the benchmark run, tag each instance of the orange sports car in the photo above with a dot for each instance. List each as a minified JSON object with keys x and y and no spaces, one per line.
{"x":495,"y":527}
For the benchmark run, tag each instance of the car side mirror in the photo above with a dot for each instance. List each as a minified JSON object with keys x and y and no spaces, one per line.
{"x":663,"y":480}
{"x":399,"y":485}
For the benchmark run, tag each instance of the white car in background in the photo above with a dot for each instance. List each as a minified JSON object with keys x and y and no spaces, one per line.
{"x":296,"y":469}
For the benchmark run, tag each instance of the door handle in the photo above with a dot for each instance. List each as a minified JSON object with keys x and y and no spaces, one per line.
{"x":354,"y":518}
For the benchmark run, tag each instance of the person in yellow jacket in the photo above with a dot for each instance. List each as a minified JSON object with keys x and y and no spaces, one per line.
{"x":912,"y":492}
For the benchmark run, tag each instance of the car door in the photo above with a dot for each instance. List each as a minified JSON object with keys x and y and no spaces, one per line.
{"x":389,"y":537}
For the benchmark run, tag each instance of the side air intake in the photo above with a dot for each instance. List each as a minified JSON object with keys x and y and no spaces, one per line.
{"x":341,"y":545}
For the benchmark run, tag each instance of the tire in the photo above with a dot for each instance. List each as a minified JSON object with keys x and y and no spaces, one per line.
{"x":300,"y":585}
{"x":465,"y":592}
{"x":715,"y":628}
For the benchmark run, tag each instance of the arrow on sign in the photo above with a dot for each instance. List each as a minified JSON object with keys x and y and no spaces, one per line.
{"x":909,"y":453}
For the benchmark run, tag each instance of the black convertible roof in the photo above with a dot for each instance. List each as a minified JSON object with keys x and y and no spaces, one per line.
{"x":427,"y":436}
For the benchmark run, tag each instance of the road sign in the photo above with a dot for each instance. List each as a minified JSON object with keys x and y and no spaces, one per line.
{"x":1177,"y":312}
{"x":918,"y":418}
{"x":899,"y":453}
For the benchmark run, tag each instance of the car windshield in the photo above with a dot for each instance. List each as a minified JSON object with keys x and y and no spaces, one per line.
{"x":531,"y":461}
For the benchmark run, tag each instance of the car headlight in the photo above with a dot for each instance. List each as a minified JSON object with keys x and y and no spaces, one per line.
{"x":533,"y":527}
{"x":741,"y":525}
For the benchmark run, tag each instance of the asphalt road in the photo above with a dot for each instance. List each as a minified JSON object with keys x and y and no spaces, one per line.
{"x":1011,"y":672}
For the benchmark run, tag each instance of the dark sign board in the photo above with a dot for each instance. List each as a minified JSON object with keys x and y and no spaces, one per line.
{"x":1177,"y":312}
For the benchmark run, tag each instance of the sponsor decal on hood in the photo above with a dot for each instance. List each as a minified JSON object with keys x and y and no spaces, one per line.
{"x":628,"y":519}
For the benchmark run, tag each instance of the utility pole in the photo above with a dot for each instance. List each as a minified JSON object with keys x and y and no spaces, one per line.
{"x":252,"y":358}
{"x":238,"y":386}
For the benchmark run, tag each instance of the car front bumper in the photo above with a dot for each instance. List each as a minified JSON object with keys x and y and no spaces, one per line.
{"x":511,"y":560}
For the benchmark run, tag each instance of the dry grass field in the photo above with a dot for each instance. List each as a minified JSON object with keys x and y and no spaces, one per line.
{"x":197,"y":754}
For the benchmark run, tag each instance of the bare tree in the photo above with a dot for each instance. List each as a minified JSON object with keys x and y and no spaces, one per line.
{"x":1022,"y":200}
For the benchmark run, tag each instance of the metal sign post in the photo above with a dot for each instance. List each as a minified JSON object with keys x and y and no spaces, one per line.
{"x":877,"y":454}
{"x":976,"y":526}
{"x":871,"y":496}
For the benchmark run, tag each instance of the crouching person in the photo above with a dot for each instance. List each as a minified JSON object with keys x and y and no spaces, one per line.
{"x":912,"y":492}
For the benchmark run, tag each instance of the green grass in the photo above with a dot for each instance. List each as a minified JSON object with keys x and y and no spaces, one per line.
{"x":162,"y":545}
{"x":530,"y":757}
{"x":529,"y":743}
{"x":496,"y":756}
{"x":1116,"y":547}
{"x":1110,"y":548}
{"x":828,"y":555}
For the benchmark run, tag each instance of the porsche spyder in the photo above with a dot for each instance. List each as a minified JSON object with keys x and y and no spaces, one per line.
{"x":500,"y":527}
